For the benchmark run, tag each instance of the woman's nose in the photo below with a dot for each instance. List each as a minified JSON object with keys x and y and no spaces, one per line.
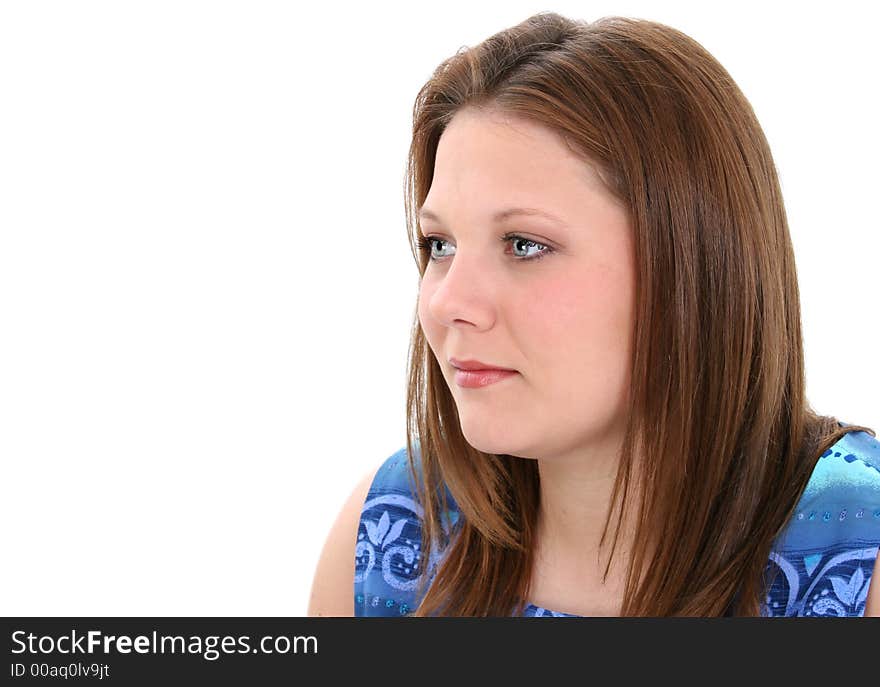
{"x":464,"y":292}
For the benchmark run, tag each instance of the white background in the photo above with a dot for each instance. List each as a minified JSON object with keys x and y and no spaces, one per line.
{"x":206,"y":288}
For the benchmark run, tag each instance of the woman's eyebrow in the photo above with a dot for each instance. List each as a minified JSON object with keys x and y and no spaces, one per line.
{"x":500,"y":215}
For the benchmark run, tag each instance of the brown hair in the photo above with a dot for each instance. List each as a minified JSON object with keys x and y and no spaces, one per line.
{"x":718,"y":410}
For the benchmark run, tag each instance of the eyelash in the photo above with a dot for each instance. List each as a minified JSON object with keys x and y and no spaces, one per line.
{"x":425,"y":244}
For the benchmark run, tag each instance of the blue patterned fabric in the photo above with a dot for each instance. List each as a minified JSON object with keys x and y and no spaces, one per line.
{"x":822,"y":560}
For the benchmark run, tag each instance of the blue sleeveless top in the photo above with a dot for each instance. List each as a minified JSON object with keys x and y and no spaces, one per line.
{"x":822,"y":560}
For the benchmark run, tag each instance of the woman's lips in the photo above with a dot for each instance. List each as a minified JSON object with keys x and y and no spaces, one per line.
{"x":475,"y":379}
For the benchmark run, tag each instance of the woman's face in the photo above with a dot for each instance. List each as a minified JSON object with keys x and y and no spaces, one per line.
{"x":562,"y":321}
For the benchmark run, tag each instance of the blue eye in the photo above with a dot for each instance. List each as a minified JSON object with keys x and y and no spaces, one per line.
{"x":426,"y":244}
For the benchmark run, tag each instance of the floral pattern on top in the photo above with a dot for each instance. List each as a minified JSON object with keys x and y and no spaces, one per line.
{"x":821,"y":563}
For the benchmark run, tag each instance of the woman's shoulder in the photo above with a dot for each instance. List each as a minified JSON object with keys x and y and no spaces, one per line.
{"x":827,"y":551}
{"x":388,"y":551}
{"x":844,"y":485}
{"x":393,"y":476}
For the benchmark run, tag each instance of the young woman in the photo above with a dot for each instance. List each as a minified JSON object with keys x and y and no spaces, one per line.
{"x":608,"y":333}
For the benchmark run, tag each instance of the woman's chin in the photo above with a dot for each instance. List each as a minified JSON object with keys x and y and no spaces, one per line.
{"x":488,"y":442}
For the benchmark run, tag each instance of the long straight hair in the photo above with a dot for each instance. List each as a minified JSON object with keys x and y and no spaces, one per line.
{"x":720,"y":435}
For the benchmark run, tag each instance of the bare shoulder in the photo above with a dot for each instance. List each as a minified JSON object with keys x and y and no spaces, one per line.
{"x":332,"y":591}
